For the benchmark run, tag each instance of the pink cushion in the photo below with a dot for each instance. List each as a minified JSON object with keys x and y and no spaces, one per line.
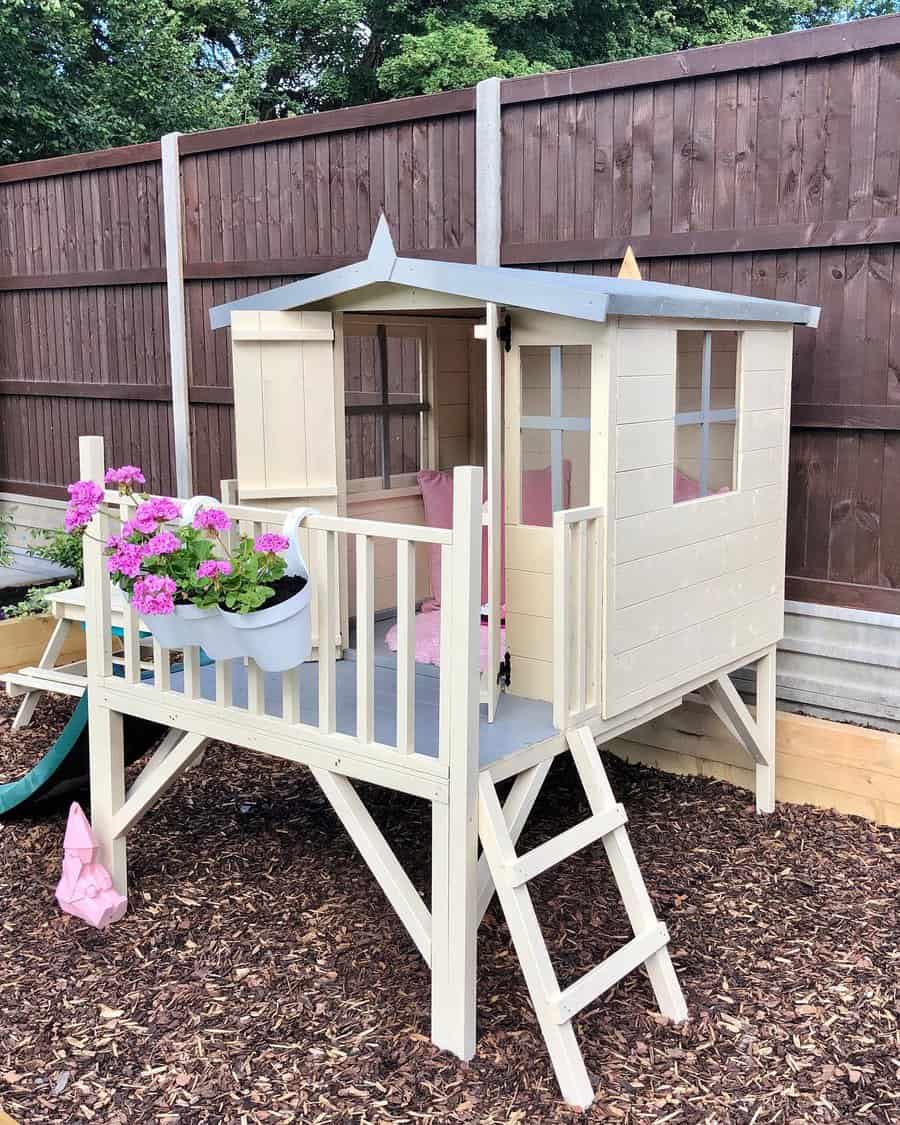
{"x":537,"y":495}
{"x":537,"y":510}
{"x":428,"y":639}
{"x":686,"y":488}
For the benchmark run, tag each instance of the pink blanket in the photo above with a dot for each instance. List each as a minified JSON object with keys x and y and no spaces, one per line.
{"x":428,"y":639}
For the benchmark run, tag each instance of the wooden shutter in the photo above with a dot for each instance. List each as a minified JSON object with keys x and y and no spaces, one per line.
{"x":289,"y":415}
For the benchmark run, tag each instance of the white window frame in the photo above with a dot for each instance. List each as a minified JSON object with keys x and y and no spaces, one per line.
{"x":557,"y":423}
{"x":706,"y":415}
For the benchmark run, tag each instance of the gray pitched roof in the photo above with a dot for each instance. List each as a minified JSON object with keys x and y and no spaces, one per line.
{"x":567,"y":294}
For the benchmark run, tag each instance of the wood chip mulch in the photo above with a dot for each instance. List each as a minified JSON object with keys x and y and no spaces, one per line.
{"x":259,"y":975}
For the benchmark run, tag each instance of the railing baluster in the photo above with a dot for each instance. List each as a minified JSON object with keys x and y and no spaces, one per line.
{"x":162,"y":678}
{"x":290,"y":695}
{"x":562,"y":640}
{"x":191,"y":672}
{"x":595,"y":616}
{"x":131,"y":654}
{"x":256,"y":703}
{"x":579,"y":592}
{"x":327,"y":705}
{"x":445,"y":702}
{"x":406,"y":646}
{"x":224,"y":678}
{"x":365,"y":638}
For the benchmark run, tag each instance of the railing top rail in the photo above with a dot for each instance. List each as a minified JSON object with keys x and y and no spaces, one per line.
{"x":576,"y":515}
{"x":347,"y":525}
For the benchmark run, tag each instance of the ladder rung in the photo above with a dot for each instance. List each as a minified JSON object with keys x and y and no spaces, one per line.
{"x":566,"y":844}
{"x":618,"y":965}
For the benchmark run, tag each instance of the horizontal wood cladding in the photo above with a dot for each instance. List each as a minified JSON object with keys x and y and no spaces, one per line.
{"x":786,"y":236}
{"x":774,"y":50}
{"x":211,"y":271}
{"x":846,"y":416}
{"x":877,"y":599}
{"x":135,"y":392}
{"x":81,"y":280}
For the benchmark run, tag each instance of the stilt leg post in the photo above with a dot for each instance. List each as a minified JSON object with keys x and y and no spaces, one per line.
{"x":765,"y":721}
{"x":107,"y":752}
{"x":455,"y":826}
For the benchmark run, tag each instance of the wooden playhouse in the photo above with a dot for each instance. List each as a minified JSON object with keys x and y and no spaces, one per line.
{"x":631,"y":515}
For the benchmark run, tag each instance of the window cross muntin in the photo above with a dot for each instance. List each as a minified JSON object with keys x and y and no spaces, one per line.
{"x":706,"y":415}
{"x":557,"y":423}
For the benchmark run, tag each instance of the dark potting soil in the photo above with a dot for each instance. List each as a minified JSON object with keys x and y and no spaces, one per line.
{"x":284,"y":588}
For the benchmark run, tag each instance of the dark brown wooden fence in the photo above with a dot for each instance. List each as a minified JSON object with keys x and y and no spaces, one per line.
{"x":770,"y":167}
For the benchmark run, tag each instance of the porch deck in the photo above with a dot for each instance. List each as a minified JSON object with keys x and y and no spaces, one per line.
{"x":519,"y":722}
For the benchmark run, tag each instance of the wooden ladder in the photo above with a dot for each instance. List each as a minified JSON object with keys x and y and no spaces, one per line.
{"x":556,"y":1008}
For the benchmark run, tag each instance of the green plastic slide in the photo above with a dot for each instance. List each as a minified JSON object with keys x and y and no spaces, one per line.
{"x":63,"y":770}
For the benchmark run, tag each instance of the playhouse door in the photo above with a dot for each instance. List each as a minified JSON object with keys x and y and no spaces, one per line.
{"x":288,"y":426}
{"x":547,"y":449}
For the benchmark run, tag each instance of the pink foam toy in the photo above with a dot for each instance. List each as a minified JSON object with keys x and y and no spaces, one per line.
{"x":85,"y":888}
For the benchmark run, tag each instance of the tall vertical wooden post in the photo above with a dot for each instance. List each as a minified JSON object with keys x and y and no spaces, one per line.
{"x":488,"y":173}
{"x":107,"y":748}
{"x":494,"y":457}
{"x":178,"y":355}
{"x":766,"y":721}
{"x":454,"y":895}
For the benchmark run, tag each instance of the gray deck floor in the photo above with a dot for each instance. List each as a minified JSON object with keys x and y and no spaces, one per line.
{"x":518,"y":723}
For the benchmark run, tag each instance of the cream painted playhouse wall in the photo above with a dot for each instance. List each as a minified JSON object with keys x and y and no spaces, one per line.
{"x":696,"y":585}
{"x":529,"y":550}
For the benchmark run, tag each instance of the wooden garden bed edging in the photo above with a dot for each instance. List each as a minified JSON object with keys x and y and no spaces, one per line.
{"x":23,"y":640}
{"x":831,"y":765}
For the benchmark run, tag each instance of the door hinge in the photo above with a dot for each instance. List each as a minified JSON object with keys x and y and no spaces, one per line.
{"x":504,"y":672}
{"x":504,"y":332}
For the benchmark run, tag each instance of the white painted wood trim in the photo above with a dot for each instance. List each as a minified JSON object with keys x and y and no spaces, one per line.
{"x":406,"y":646}
{"x":107,"y":749}
{"x":609,"y":972}
{"x":455,"y":949}
{"x":157,"y":777}
{"x":175,"y":302}
{"x":379,"y":857}
{"x":566,"y":844}
{"x":494,"y":462}
{"x":488,"y":174}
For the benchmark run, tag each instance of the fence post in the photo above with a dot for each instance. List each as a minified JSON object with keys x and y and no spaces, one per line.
{"x":107,"y":747}
{"x":488,"y":173}
{"x":454,"y":892}
{"x":178,"y":361}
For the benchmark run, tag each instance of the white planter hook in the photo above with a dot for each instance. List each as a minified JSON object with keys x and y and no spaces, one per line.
{"x":192,"y":506}
{"x":296,"y":564}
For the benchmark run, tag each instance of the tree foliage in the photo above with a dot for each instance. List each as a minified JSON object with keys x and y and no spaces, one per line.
{"x":79,"y":74}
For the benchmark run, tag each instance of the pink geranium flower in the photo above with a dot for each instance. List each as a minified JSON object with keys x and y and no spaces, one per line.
{"x":162,"y":543}
{"x":126,"y":559}
{"x":270,"y":543}
{"x":214,"y":568}
{"x":126,"y":478}
{"x":211,"y":519}
{"x":154,"y":595}
{"x":85,"y":498}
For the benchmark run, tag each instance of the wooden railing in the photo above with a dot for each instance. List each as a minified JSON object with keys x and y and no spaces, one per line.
{"x":323,"y":541}
{"x":578,"y":553}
